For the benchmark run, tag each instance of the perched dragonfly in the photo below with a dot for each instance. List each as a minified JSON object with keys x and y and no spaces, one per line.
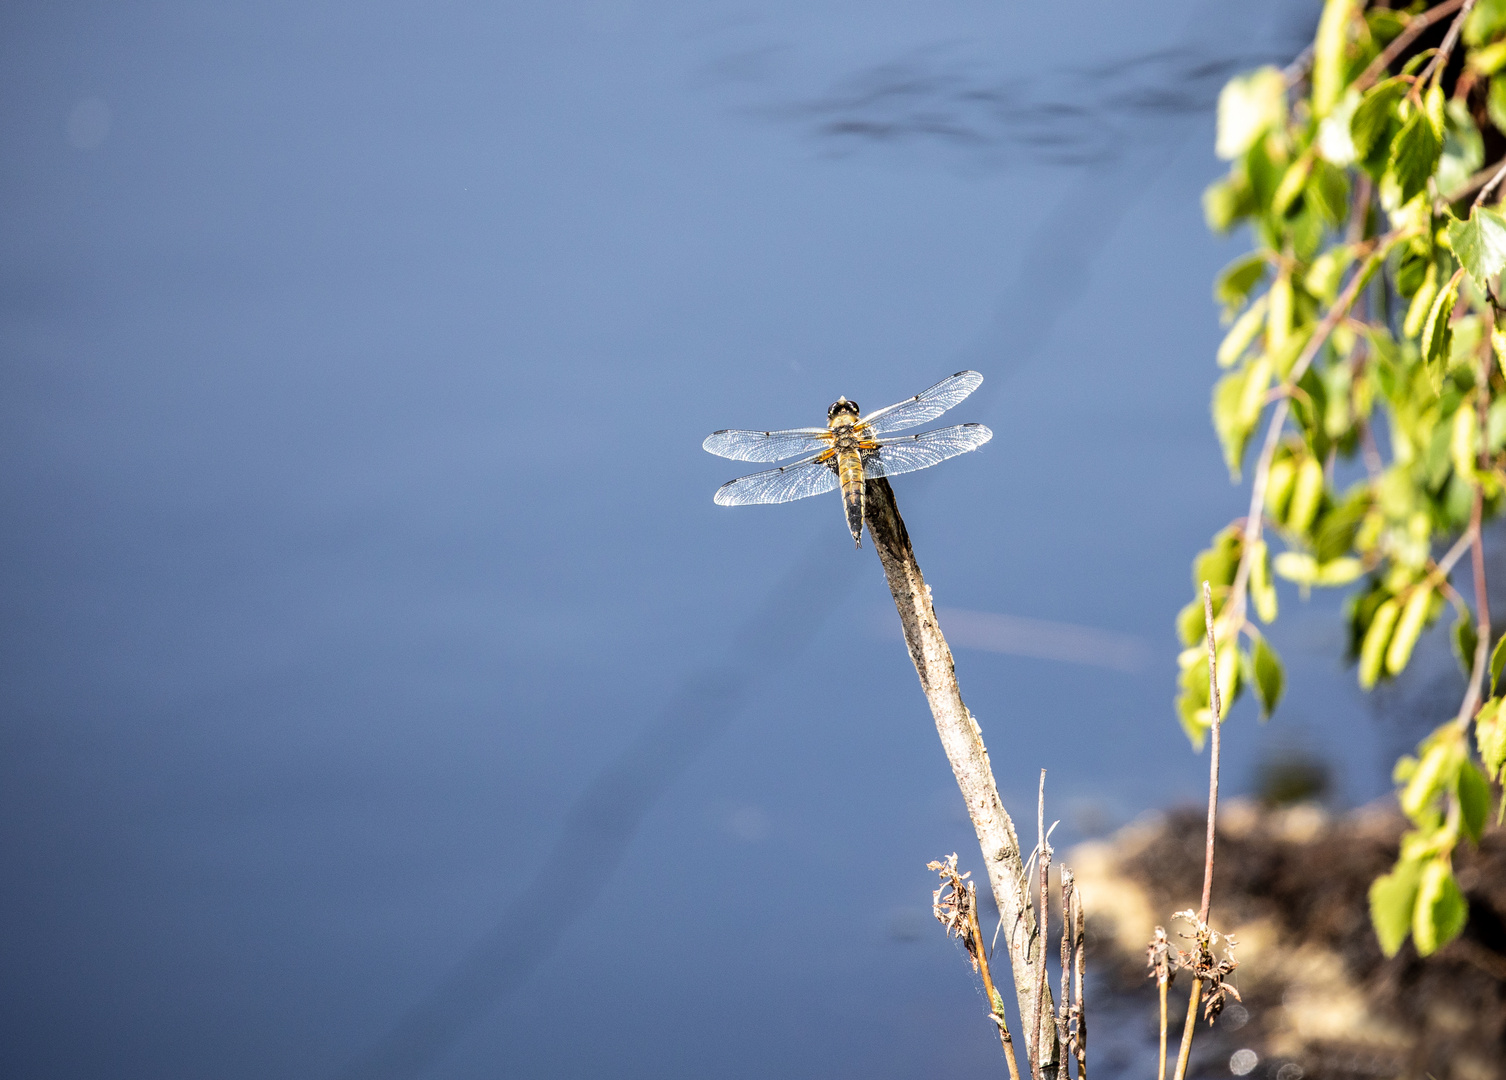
{"x":850,"y":449}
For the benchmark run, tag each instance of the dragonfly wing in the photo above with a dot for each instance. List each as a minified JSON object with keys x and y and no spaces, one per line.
{"x":923,"y":407}
{"x":787,"y":483}
{"x":907,"y":453}
{"x":767,"y":445}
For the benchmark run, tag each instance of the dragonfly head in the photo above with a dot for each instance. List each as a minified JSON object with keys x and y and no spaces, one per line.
{"x":842,"y":407}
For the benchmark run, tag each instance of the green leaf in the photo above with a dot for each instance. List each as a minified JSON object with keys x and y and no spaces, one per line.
{"x":1339,"y":571}
{"x":1474,"y":799}
{"x":1244,"y":331}
{"x":1480,"y":244}
{"x":1190,"y":623}
{"x":1434,"y":773}
{"x":1192,"y":703}
{"x":1393,"y":897}
{"x":1228,"y":416}
{"x":1297,"y":566}
{"x":1377,"y":637}
{"x":1408,"y":629}
{"x":1495,"y":101}
{"x":1328,"y":54}
{"x":1464,"y":439}
{"x":1336,"y":529}
{"x":1322,"y":279}
{"x":1375,"y":123}
{"x":1328,"y":192}
{"x":1414,"y":156}
{"x":1248,"y":107}
{"x":1307,"y":494}
{"x":1423,"y":295}
{"x":1292,"y":183}
{"x":1234,"y":282}
{"x":1436,"y":332}
{"x":1278,"y":486}
{"x":1463,"y":148}
{"x":1441,"y":910}
{"x":1270,"y":678}
{"x":1465,"y":639}
{"x":1226,"y":202}
{"x":1218,"y":563}
{"x":1262,"y":589}
{"x":1497,"y":662}
{"x":1486,"y":20}
{"x":1490,"y":736}
{"x":1490,"y":59}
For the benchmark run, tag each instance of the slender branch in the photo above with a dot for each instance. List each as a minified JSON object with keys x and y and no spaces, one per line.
{"x":1414,"y":29}
{"x":1218,"y":713}
{"x":1080,"y":962}
{"x":1471,"y":700}
{"x":1495,"y":180}
{"x":963,"y":742}
{"x":1064,"y":1008}
{"x":995,"y":999}
{"x":1185,"y":1050}
{"x":1202,"y":916}
{"x":1161,"y":1059}
{"x":1440,"y":58}
{"x":1235,"y":606}
{"x":1043,"y":862}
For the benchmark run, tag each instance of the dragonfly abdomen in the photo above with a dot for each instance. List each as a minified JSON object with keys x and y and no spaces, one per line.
{"x":850,"y":474}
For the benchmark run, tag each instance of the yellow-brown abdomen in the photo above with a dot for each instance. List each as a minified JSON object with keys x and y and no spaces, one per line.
{"x":850,"y":473}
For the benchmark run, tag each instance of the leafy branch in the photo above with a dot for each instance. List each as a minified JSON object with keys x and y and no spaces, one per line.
{"x":1368,"y":303}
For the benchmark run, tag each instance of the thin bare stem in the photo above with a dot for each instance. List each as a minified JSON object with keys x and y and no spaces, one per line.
{"x":1440,"y":58}
{"x":962,"y":740}
{"x":1161,"y":985}
{"x":1455,"y":553}
{"x":1414,"y":29}
{"x":1491,"y":185}
{"x":995,"y":999}
{"x":1185,"y":1050}
{"x":1217,"y":706}
{"x":1472,"y":694}
{"x":1043,"y":861}
{"x":1079,"y":966}
{"x":1235,"y":606}
{"x":1064,"y":1008}
{"x":1202,"y":917}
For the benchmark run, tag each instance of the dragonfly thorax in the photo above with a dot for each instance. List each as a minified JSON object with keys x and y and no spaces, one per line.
{"x":841,"y":412}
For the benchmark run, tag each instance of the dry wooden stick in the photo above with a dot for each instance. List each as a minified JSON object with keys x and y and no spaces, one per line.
{"x":1080,"y":961}
{"x":995,"y":999}
{"x":1160,"y":961}
{"x":963,"y":742}
{"x":1043,"y":1010}
{"x":1064,"y":1008}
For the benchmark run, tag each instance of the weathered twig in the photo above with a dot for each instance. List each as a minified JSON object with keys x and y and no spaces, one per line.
{"x":1064,"y":1005}
{"x":1160,"y":963}
{"x":963,"y":743}
{"x":1043,"y":1012}
{"x":1202,"y":916}
{"x":955,"y":905}
{"x":1079,"y":969}
{"x":995,"y":999}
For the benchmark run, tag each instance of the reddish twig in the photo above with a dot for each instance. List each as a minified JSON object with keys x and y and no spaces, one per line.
{"x":1414,"y":30}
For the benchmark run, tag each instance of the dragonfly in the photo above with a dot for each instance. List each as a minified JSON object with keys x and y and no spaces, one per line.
{"x":849,"y":450}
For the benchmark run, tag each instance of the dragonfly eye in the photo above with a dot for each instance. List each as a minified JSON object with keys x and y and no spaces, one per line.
{"x":842,"y":405}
